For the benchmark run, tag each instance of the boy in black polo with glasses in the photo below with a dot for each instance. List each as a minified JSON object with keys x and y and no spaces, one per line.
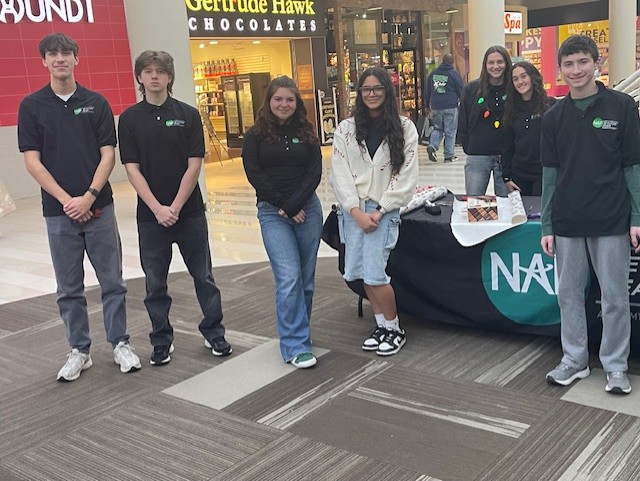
{"x":162,"y":147}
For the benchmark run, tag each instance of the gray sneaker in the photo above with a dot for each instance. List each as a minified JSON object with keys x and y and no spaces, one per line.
{"x":618,"y":383}
{"x":76,"y":363}
{"x":565,"y":375}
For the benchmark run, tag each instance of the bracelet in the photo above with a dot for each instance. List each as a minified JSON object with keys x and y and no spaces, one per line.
{"x":381,"y":209}
{"x":94,"y":192}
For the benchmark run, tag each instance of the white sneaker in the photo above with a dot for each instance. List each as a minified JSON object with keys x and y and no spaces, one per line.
{"x":76,"y":363}
{"x":124,"y":356}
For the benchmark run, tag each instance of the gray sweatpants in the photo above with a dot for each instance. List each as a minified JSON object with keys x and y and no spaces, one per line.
{"x":610,"y":257}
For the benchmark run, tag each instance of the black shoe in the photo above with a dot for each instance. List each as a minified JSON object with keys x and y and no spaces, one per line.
{"x":160,"y":355}
{"x":432,"y":154}
{"x":219,"y":346}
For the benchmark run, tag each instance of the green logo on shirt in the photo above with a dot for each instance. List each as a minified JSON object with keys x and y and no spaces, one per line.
{"x":597,"y":123}
{"x":169,"y":123}
{"x":84,"y":110}
{"x":295,"y":140}
{"x":174,"y":123}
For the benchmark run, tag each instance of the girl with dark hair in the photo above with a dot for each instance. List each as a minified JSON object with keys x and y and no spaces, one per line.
{"x":374,"y":172}
{"x":282,"y":160}
{"x":526,"y":103}
{"x":480,"y":126}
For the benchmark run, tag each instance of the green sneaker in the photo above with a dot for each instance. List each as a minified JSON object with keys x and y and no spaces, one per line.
{"x":304,"y":360}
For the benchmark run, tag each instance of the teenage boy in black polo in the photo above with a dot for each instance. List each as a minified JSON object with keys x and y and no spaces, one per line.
{"x":162,"y":147}
{"x":590,"y":151}
{"x":67,"y":135}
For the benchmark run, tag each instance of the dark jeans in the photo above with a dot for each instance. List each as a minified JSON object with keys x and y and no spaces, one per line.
{"x":191,"y":235}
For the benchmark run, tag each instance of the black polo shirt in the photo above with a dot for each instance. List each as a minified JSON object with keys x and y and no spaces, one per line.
{"x":162,"y":139}
{"x":68,"y":136}
{"x":590,"y":150}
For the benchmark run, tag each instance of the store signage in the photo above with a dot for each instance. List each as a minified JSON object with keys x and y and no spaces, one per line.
{"x":253,"y":18}
{"x":328,"y":109}
{"x":71,"y":11}
{"x":513,"y":23}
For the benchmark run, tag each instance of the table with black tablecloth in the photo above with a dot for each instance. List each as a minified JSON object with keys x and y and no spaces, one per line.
{"x":505,"y":283}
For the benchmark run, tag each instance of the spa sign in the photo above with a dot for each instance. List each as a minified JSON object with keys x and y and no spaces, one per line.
{"x":254,"y":18}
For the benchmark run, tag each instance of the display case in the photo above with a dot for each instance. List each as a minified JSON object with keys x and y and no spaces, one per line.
{"x":409,"y":81}
{"x":243,"y":96}
{"x":210,"y":101}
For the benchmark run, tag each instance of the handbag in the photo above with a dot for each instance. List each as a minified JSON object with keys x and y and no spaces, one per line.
{"x":425,"y":127}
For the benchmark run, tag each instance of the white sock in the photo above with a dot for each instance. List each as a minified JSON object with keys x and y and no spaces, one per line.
{"x":380,"y":320}
{"x":393,"y":324}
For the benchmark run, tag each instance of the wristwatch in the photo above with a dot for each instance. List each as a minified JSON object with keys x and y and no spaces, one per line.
{"x":94,"y":192}
{"x":381,"y":209}
{"x":506,"y":179}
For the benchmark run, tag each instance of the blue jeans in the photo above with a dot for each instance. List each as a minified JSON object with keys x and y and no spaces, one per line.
{"x":99,"y":238}
{"x":192,"y":236}
{"x":292,"y":249}
{"x":477,"y":171}
{"x":445,"y":122}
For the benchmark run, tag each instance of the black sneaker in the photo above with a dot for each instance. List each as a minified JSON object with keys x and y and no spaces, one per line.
{"x":160,"y":355}
{"x":432,"y":154}
{"x":391,"y":343}
{"x":372,"y":342}
{"x":219,"y":346}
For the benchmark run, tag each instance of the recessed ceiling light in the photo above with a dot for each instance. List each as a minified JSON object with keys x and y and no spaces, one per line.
{"x":256,"y":42}
{"x":201,"y":45}
{"x":213,"y":42}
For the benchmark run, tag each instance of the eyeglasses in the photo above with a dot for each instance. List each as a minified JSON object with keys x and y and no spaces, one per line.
{"x":377,"y":90}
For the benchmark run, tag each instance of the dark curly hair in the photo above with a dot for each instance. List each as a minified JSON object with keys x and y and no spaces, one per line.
{"x":266,"y":123}
{"x":514,"y":104}
{"x":484,"y":85}
{"x":388,"y":123}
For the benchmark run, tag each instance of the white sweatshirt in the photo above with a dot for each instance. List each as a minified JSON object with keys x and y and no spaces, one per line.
{"x":355,"y":176}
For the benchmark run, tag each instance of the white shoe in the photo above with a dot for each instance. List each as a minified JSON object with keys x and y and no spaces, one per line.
{"x":124,"y":356}
{"x":76,"y":363}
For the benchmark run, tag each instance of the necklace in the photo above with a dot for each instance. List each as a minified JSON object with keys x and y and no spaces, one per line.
{"x":490,"y":114}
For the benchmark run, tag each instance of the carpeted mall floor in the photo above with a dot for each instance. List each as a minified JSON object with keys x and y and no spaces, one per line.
{"x":455,"y":404}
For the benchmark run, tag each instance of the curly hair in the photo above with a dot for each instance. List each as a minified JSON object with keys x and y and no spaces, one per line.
{"x":484,"y":85}
{"x":388,"y":123}
{"x":515,"y":104}
{"x":266,"y":123}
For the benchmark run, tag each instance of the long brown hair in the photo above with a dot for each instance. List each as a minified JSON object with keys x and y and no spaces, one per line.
{"x":485,"y":85}
{"x":266,"y":123}
{"x":515,"y":104}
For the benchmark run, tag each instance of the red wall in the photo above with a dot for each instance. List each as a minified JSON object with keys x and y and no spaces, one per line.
{"x":105,"y":59}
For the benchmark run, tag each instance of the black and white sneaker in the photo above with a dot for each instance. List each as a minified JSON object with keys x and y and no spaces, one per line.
{"x":372,"y":342}
{"x":161,"y":355}
{"x":391,"y":343}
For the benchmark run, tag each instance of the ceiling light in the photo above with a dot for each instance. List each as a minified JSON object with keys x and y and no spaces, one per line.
{"x":256,"y":42}
{"x":451,"y":9}
{"x":201,"y":45}
{"x":213,"y":42}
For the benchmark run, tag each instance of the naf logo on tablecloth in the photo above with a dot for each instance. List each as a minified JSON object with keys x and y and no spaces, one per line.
{"x":519,"y":279}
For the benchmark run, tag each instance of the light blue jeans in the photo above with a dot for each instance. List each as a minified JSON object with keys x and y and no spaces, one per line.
{"x":99,"y":238}
{"x":445,"y":123}
{"x":292,"y":249}
{"x":610,"y":256}
{"x":477,"y":171}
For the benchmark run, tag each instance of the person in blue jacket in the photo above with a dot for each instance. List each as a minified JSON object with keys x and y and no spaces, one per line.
{"x":442,"y":95}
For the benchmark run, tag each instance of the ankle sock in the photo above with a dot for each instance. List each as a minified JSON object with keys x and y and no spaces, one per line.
{"x":380,"y":320}
{"x":393,"y":324}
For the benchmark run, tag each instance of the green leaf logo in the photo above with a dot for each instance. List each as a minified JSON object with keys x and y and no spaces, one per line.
{"x":597,"y":123}
{"x":169,"y":123}
{"x":77,"y":111}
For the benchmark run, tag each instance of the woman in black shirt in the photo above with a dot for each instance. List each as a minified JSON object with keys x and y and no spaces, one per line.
{"x":526,"y":104}
{"x":283,"y":162}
